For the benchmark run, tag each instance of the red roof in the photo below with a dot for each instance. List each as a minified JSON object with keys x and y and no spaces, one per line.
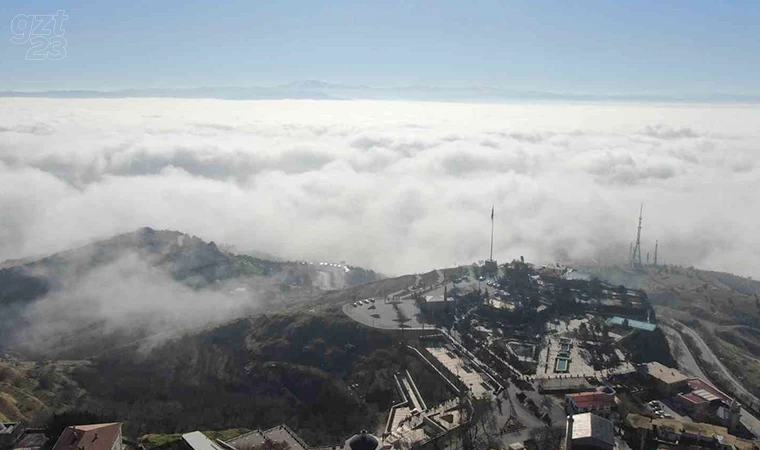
{"x":693,"y":398}
{"x":89,"y":437}
{"x":596,"y":399}
{"x":697,"y":384}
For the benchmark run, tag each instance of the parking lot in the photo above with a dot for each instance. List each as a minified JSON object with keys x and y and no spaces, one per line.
{"x":383,"y":315}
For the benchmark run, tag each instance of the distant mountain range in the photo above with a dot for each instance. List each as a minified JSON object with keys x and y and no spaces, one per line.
{"x":321,"y":90}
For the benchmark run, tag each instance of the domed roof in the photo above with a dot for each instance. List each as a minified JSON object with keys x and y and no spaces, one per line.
{"x":362,"y":441}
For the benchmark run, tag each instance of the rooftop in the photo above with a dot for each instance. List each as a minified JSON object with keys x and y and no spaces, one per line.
{"x":693,"y":398}
{"x":588,"y":425}
{"x":280,"y":433}
{"x":708,"y":391}
{"x":664,"y":373}
{"x":7,"y":427}
{"x":586,"y":399}
{"x":638,"y":421}
{"x":198,"y":441}
{"x":434,"y":298}
{"x":564,"y":384}
{"x":99,"y":436}
{"x":646,"y":326}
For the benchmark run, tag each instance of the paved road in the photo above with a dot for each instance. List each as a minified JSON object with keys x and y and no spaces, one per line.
{"x":708,"y":355}
{"x":686,"y":361}
{"x":691,"y":367}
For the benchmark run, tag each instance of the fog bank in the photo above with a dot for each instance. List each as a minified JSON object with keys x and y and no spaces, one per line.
{"x":394,"y":186}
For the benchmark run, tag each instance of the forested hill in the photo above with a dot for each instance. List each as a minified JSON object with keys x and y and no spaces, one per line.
{"x":101,"y":296}
{"x":326,"y":376}
{"x":186,"y":258}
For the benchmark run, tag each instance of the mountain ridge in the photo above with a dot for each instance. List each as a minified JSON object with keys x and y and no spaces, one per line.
{"x":321,"y":90}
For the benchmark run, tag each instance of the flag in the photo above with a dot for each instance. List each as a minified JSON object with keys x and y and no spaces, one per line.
{"x":491,"y":212}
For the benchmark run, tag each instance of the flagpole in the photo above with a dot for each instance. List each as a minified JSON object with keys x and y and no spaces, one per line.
{"x":492,"y":232}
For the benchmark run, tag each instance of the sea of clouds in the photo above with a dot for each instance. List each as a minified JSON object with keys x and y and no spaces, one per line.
{"x":394,"y":186}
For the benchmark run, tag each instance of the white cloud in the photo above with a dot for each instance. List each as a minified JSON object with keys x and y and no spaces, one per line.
{"x":399,"y":187}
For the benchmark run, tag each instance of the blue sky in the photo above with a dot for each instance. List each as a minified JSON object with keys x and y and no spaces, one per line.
{"x":588,"y":46}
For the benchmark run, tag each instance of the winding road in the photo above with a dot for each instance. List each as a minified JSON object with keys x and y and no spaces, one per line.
{"x":710,"y":357}
{"x":688,"y":363}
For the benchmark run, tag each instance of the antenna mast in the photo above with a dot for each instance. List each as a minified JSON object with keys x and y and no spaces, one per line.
{"x":636,"y":256}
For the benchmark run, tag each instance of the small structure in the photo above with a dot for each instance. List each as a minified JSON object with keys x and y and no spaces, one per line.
{"x":362,"y":441}
{"x":10,"y":432}
{"x":667,"y":381}
{"x":735,"y":414}
{"x":563,"y":385}
{"x":15,"y":435}
{"x":278,"y":434}
{"x":600,"y":403}
{"x":437,"y":302}
{"x":589,"y":431}
{"x":631,"y":323}
{"x":491,"y":268}
{"x":198,"y":441}
{"x":101,"y":436}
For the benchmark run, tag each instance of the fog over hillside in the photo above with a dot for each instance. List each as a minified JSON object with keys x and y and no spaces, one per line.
{"x":394,"y":186}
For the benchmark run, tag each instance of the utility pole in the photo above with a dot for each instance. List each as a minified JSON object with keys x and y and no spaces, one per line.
{"x":636,"y":256}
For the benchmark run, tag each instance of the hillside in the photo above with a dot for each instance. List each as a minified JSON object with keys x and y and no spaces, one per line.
{"x":325,"y":376}
{"x":31,"y":389}
{"x":171,"y":333}
{"x":111,"y":293}
{"x":724,"y":309}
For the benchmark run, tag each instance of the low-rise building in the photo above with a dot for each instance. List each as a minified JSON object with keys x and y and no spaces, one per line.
{"x":684,"y":434}
{"x":198,"y":441}
{"x":10,"y":432}
{"x":16,"y":436}
{"x":601,"y":403}
{"x":666,"y":380}
{"x":435,"y":303}
{"x":706,"y":403}
{"x":589,"y":432}
{"x":101,"y":436}
{"x":279,"y":434}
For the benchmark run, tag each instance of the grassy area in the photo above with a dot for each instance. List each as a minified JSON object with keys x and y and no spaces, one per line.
{"x":29,"y":388}
{"x":156,"y":440}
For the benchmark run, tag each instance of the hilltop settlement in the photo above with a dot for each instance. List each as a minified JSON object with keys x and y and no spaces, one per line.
{"x":505,"y":356}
